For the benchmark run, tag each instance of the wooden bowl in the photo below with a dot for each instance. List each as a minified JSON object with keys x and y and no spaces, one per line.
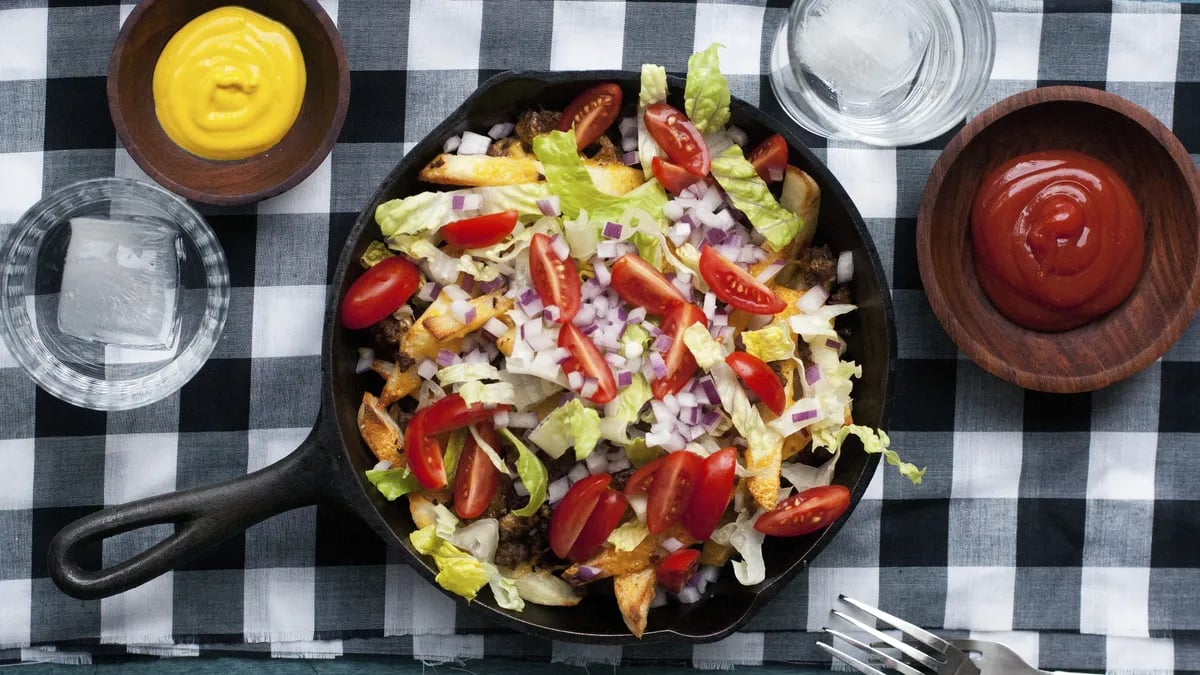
{"x":294,"y":157}
{"x":1163,"y":179}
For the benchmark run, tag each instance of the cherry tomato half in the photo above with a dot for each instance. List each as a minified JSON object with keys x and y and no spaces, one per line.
{"x":480,"y":231}
{"x":671,"y":489}
{"x":604,"y":519}
{"x":573,"y":512}
{"x":677,"y":569}
{"x":476,"y":479}
{"x":681,"y":365}
{"x":586,"y":359}
{"x":452,"y":412}
{"x":760,"y":378}
{"x":638,"y":283}
{"x":673,"y":177}
{"x":424,"y":454}
{"x":641,"y":479}
{"x":805,"y":512}
{"x":770,"y":156}
{"x":679,"y":138}
{"x":592,"y":113}
{"x":736,"y":286}
{"x":712,"y":493}
{"x":380,"y":291}
{"x":555,"y":280}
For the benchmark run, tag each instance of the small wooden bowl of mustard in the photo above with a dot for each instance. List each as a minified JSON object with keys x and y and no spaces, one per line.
{"x":1058,"y":239}
{"x":226,"y":102}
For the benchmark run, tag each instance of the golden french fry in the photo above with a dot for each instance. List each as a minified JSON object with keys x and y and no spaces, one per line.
{"x":611,"y":562}
{"x":715,"y":554}
{"x":485,"y":170}
{"x":379,"y":430}
{"x":765,"y":462}
{"x":444,"y":326}
{"x":802,"y":196}
{"x":635,"y":592}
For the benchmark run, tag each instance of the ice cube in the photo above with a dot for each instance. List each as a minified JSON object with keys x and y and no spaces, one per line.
{"x":120,"y":283}
{"x":864,"y":50}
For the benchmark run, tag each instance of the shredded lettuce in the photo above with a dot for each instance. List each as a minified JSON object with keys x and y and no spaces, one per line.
{"x":459,"y":373}
{"x":634,"y":335}
{"x":393,"y":483}
{"x":819,"y":323}
{"x":522,"y":198}
{"x":773,"y":342}
{"x":480,"y":538}
{"x":454,"y":448}
{"x":533,"y":475}
{"x":581,"y":235}
{"x":706,"y":94}
{"x":747,"y":541}
{"x":375,"y":253}
{"x":803,"y":476}
{"x":460,"y":572}
{"x":632,"y":399}
{"x":628,"y":536}
{"x":445,"y":521}
{"x":654,"y":90}
{"x":443,"y":268}
{"x":570,"y":425}
{"x":506,"y":593}
{"x":874,"y":441}
{"x":426,"y":212}
{"x":493,"y":454}
{"x":490,"y":393}
{"x":708,"y":352}
{"x":750,"y":195}
{"x":569,"y":179}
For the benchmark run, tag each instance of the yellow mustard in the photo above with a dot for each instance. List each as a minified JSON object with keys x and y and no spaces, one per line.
{"x":229,"y":84}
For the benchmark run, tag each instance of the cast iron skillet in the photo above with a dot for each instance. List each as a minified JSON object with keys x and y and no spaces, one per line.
{"x":328,"y":466}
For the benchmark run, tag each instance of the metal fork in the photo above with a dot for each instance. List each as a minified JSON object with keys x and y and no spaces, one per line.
{"x":939,"y":657}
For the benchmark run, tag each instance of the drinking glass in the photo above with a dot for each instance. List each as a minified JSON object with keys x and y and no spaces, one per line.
{"x":884,"y":72}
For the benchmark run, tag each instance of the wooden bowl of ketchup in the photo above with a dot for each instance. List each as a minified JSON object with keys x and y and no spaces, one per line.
{"x":1030,"y":246}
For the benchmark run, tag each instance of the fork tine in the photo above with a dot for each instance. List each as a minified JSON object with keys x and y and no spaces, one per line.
{"x":907,"y":649}
{"x":888,"y":660}
{"x":921,"y":635}
{"x":854,"y":663}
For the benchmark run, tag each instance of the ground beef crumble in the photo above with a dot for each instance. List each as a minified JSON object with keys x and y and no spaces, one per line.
{"x":534,"y":122}
{"x":818,"y":267}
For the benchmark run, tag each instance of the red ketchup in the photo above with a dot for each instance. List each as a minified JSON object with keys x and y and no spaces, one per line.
{"x":1058,"y":239}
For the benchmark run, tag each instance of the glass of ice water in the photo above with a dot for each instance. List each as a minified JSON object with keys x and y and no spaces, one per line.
{"x":884,"y":72}
{"x":113,"y":293}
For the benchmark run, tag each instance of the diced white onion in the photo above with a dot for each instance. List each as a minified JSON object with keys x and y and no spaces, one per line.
{"x":769,"y":272}
{"x":673,"y":210}
{"x":590,"y":385}
{"x":575,"y":379}
{"x":845,"y":267}
{"x":462,"y":310}
{"x":427,"y":369}
{"x":474,"y":144}
{"x":519,"y":489}
{"x":596,"y":462}
{"x":561,"y":248}
{"x":455,"y":293}
{"x":501,"y":130}
{"x":451,"y":144}
{"x":550,"y":206}
{"x":709,"y":573}
{"x":366,"y":358}
{"x":628,"y":127}
{"x":736,"y":135}
{"x":578,"y":472}
{"x":629,"y":144}
{"x":812,"y":299}
{"x":660,"y":599}
{"x":689,"y":595}
{"x":557,"y":490}
{"x":495,"y":327}
{"x":382,"y":465}
{"x":618,"y":465}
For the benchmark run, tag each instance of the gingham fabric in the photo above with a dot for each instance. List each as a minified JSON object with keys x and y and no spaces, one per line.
{"x":1068,"y":526}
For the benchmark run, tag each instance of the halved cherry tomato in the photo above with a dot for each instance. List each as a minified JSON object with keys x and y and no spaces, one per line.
{"x":805,"y":512}
{"x":771,"y":154}
{"x":592,"y":113}
{"x":604,"y":519}
{"x":681,"y":365}
{"x":424,"y":454}
{"x":712,"y":493}
{"x":760,"y":378}
{"x":638,"y":283}
{"x":586,"y":359}
{"x":678,"y":568}
{"x":679,"y":138}
{"x":380,"y":291}
{"x":452,"y":412}
{"x":555,"y":280}
{"x":480,"y":231}
{"x":476,"y":478}
{"x":672,"y":176}
{"x":736,"y":286}
{"x":573,"y":512}
{"x":672,"y":489}
{"x":641,"y":479}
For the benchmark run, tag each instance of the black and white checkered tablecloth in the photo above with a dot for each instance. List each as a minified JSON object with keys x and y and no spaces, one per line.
{"x":1068,"y":526}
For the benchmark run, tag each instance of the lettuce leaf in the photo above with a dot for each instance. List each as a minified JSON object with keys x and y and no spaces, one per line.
{"x":875,"y":441}
{"x":773,"y":342}
{"x":628,"y":536}
{"x":492,"y":393}
{"x":570,"y":424}
{"x":394,"y":483}
{"x":706,"y":94}
{"x":454,"y":448}
{"x":375,"y":253}
{"x":747,"y":541}
{"x":708,"y":352}
{"x":654,"y":90}
{"x":569,"y":179}
{"x":533,"y":475}
{"x":750,"y":195}
{"x":426,"y":212}
{"x":640,"y":454}
{"x":818,"y":324}
{"x":634,"y":335}
{"x":458,"y":571}
{"x":632,"y":399}
{"x":459,"y":373}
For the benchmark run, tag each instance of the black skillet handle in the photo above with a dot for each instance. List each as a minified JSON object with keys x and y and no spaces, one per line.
{"x":203,"y":518}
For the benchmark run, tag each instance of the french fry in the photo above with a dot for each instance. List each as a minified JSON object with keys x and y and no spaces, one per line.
{"x":379,"y":430}
{"x":802,"y":196}
{"x":635,"y":592}
{"x":610,"y":562}
{"x":764,"y":484}
{"x":444,"y":326}
{"x":485,"y":170}
{"x":715,"y":554}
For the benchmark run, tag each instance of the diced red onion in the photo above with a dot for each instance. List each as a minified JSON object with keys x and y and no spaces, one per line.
{"x":694,"y":432}
{"x":596,"y":462}
{"x":834,"y":344}
{"x":735,"y":240}
{"x":672,"y":544}
{"x":614,"y":360}
{"x":427,"y":369}
{"x":501,"y":130}
{"x":495,"y":327}
{"x":637,"y":315}
{"x":673,"y":210}
{"x":551,"y":313}
{"x":658,"y":367}
{"x":527,"y":296}
{"x":684,"y":283}
{"x":585,"y":316}
{"x":560,"y":247}
{"x":590,"y":385}
{"x":462,"y":310}
{"x":624,"y":378}
{"x":736,"y":135}
{"x":366,"y":358}
{"x":690,"y":415}
{"x":845,"y":267}
{"x":451,"y":144}
{"x":613,"y":230}
{"x":713,"y":236}
{"x":812,"y":299}
{"x":557,"y":490}
{"x":710,"y":390}
{"x":550,"y":206}
{"x":578,"y":472}
{"x":696,"y":190}
{"x":720,"y":319}
{"x":603,"y":275}
{"x":723,"y":220}
{"x":492,"y":285}
{"x":473,"y":144}
{"x":429,"y":291}
{"x":710,"y":420}
{"x":661,"y":343}
{"x":519,"y":488}
{"x":629,"y":146}
{"x":718,"y":142}
{"x":775,"y":173}
{"x":804,"y":415}
{"x":672,"y":403}
{"x":724,"y":333}
{"x":445,"y":357}
{"x":628,"y":127}
{"x":587,"y":572}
